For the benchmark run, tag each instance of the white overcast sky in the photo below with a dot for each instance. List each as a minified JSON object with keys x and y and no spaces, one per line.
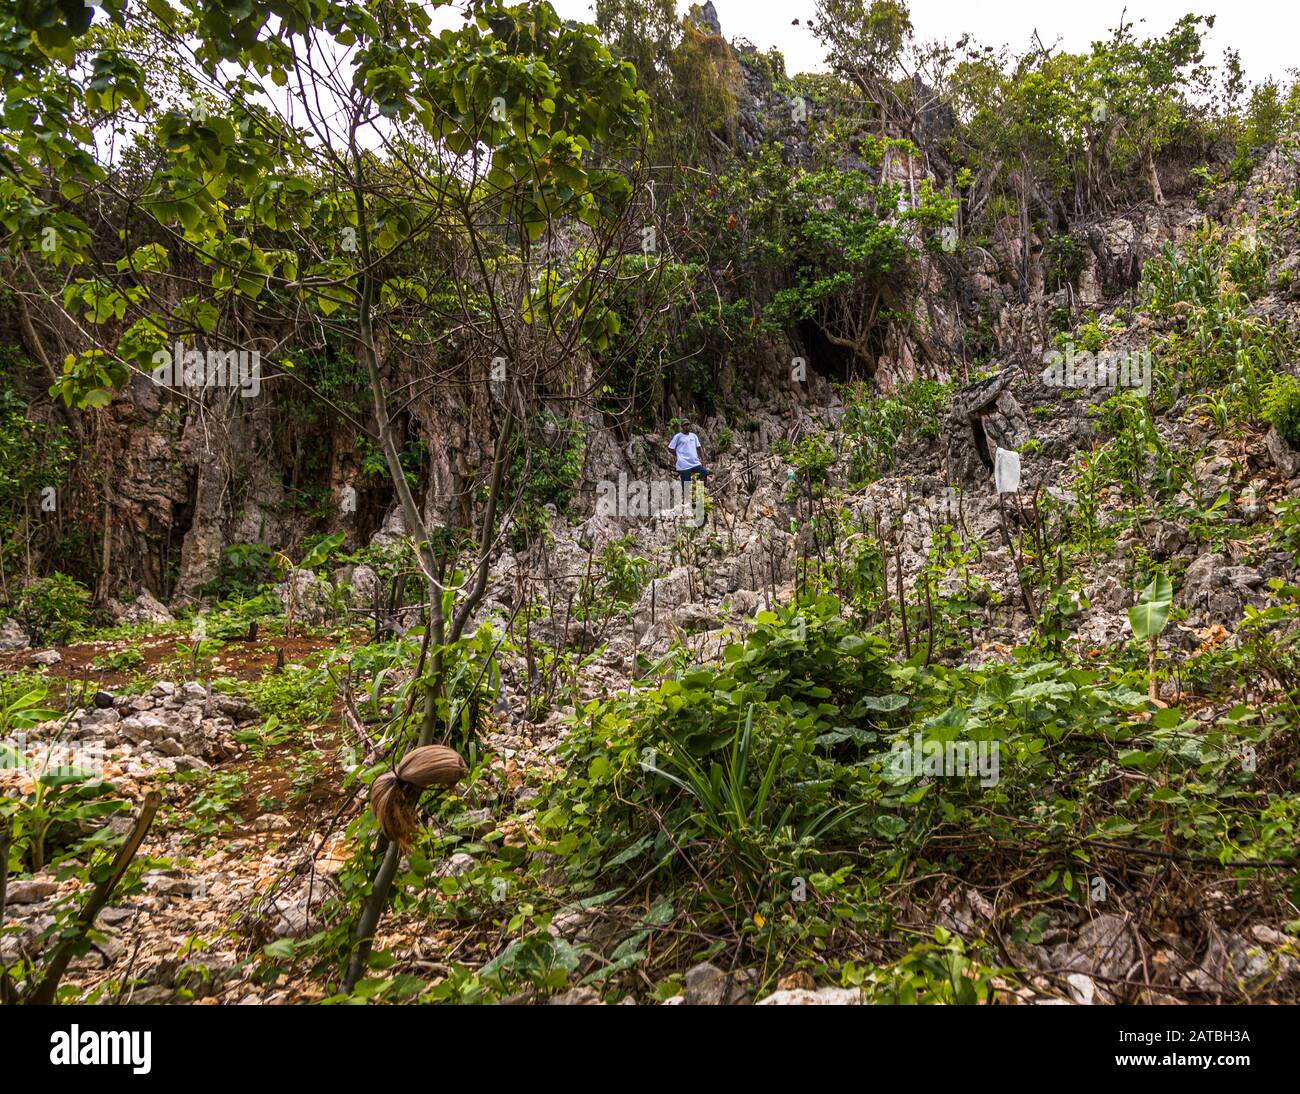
{"x":1265,"y":33}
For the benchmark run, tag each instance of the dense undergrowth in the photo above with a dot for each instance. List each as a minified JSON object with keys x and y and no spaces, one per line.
{"x":910,"y":781}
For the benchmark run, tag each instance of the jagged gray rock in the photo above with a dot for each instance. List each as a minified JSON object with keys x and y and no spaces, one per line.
{"x":145,"y":608}
{"x":708,"y":986}
{"x":12,"y":637}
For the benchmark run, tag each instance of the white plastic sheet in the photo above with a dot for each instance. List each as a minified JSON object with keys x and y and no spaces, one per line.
{"x":1006,"y":470}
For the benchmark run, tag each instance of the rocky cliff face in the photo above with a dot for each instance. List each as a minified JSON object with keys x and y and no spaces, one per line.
{"x":178,"y":479}
{"x":761,"y":527}
{"x":185,"y":478}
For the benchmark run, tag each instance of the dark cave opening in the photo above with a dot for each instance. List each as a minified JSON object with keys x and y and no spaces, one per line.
{"x":838,"y":364}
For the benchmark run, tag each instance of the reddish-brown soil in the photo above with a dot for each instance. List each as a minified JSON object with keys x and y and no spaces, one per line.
{"x":242,"y":660}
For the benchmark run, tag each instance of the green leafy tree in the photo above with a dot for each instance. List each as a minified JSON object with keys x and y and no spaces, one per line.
{"x":336,"y":148}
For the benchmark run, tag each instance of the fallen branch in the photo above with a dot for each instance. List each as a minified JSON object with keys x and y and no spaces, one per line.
{"x":352,"y":717}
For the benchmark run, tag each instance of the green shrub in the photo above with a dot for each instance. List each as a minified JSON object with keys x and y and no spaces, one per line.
{"x":299,"y":694}
{"x":1282,"y":406}
{"x":50,"y":821}
{"x":232,"y":617}
{"x":1062,"y":261}
{"x":1288,"y":525}
{"x":1215,"y":342}
{"x":812,"y":458}
{"x":245,"y":570}
{"x":119,"y":661}
{"x":545,"y":472}
{"x":803,"y":689}
{"x":876,"y":425}
{"x":622,"y":577}
{"x":52,"y":609}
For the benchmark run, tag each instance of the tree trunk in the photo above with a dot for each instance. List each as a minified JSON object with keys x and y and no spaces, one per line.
{"x":1153,"y":177}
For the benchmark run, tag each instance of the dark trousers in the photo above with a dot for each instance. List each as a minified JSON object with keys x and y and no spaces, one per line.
{"x":692,"y":472}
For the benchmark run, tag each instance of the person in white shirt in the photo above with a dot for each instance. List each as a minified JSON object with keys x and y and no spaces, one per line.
{"x":687,"y":447}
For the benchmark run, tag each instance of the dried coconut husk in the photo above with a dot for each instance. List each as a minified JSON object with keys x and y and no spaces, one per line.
{"x":393,"y":795}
